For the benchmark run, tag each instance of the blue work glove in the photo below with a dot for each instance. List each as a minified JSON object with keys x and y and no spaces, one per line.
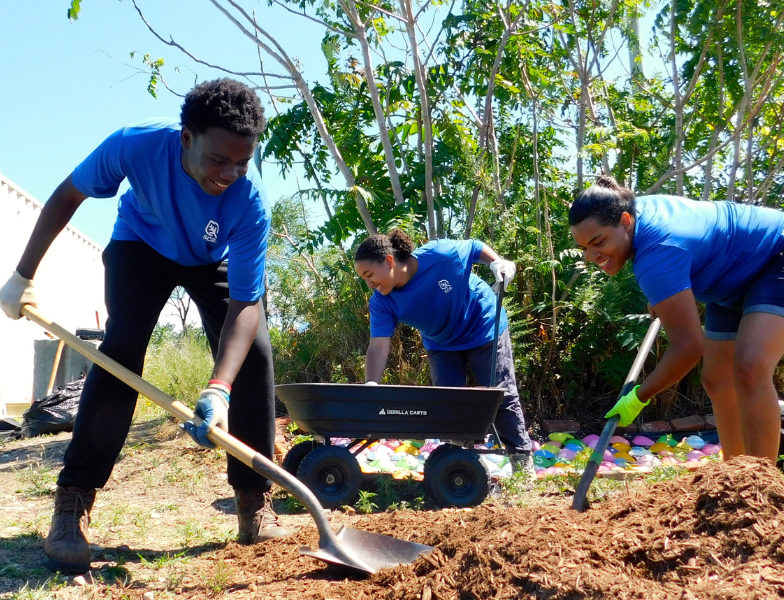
{"x":213,"y":409}
{"x":627,"y":408}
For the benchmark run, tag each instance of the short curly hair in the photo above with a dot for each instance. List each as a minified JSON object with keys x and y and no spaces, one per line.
{"x":224,"y":103}
{"x":376,"y":247}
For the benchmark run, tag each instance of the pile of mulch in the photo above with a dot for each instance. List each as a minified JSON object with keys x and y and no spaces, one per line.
{"x":709,"y":535}
{"x":714,"y":534}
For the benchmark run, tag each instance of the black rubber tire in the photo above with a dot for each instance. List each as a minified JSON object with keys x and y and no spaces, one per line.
{"x":332,"y":474}
{"x":429,"y":462}
{"x":295,"y":455}
{"x":456,"y":477}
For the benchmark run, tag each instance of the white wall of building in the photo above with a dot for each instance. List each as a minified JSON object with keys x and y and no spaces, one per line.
{"x":69,"y":287}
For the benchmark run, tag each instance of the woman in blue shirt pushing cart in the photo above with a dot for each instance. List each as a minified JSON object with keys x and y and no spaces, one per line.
{"x":432,"y":289}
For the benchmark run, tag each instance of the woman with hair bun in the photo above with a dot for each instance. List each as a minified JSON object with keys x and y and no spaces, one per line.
{"x":432,"y":289}
{"x":730,"y":257}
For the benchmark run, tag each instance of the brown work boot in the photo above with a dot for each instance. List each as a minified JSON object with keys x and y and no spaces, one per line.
{"x":258,"y":521}
{"x":66,"y":548}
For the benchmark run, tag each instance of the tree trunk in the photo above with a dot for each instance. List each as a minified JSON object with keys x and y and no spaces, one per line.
{"x":421,"y":80}
{"x":378,"y":110}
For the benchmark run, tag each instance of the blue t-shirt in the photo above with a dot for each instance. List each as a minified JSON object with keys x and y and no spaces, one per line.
{"x":713,"y":248}
{"x":452,"y":307}
{"x":166,"y":209}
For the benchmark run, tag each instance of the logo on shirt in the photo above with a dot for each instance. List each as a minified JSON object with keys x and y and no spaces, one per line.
{"x":444,"y":285}
{"x":211,"y":231}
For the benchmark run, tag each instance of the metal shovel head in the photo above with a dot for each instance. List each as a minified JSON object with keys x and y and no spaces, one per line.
{"x":367,"y":551}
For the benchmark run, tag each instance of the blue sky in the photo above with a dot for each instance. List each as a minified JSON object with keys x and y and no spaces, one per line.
{"x":66,"y":86}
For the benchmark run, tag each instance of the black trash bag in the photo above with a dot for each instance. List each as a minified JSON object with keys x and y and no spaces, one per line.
{"x":55,"y":412}
{"x":10,"y":429}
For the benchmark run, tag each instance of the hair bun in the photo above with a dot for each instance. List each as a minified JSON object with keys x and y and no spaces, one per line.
{"x":607,"y":181}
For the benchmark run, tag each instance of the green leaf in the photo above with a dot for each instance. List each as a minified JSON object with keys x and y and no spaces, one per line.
{"x":73,"y":12}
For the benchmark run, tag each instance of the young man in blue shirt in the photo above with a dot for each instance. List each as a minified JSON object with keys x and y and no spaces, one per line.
{"x":196,"y":216}
{"x":432,"y":289}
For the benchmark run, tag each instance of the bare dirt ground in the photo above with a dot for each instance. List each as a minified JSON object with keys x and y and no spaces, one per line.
{"x":164,"y":527}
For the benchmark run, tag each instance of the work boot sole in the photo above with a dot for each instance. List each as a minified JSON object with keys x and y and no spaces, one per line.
{"x":66,"y":568}
{"x":273,"y":533}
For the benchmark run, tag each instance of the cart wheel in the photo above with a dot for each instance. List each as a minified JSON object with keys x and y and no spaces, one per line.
{"x":430,"y":461}
{"x":436,"y":451}
{"x":456,"y":477}
{"x":295,"y":455}
{"x":332,"y":474}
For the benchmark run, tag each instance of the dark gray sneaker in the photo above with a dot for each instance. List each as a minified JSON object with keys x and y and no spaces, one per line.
{"x":66,"y":547}
{"x":257,"y":518}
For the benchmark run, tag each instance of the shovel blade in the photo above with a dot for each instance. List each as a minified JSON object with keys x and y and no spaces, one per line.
{"x":367,"y":551}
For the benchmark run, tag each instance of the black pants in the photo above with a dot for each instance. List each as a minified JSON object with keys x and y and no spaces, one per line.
{"x":139,"y":281}
{"x":450,"y":368}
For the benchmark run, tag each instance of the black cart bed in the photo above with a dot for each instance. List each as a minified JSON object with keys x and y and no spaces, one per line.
{"x":374,"y":412}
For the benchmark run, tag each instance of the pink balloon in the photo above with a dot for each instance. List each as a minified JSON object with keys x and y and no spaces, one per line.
{"x":641,"y":440}
{"x":711,"y":449}
{"x":617,"y":439}
{"x":608,"y":456}
{"x":535,"y":445}
{"x":695,"y":455}
{"x":590,"y":440}
{"x":567,"y":454}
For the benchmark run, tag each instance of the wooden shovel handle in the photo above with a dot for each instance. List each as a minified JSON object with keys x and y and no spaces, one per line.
{"x":174,"y":407}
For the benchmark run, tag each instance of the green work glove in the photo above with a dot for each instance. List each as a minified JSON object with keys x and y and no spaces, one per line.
{"x":627,"y":408}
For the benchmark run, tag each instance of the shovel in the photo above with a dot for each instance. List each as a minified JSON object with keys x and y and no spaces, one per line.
{"x":360,"y":550}
{"x":580,"y":501}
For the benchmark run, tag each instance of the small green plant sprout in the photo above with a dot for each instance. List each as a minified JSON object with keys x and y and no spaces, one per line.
{"x":191,"y":530}
{"x":365,"y":504}
{"x":292,"y":506}
{"x":301,"y":438}
{"x":115,"y":574}
{"x":163,"y":560}
{"x":665,"y":473}
{"x":387,"y":493}
{"x":221,"y":578}
{"x":139,"y":518}
{"x":36,"y":480}
{"x":46,"y":590}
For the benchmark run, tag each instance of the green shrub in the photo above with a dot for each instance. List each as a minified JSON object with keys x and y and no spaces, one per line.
{"x":180,"y":364}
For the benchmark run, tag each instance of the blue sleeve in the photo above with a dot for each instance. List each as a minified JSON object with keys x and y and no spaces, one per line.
{"x":469,"y":251}
{"x":101,"y":173}
{"x":248,"y":250}
{"x":662,"y":272}
{"x":382,"y":320}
